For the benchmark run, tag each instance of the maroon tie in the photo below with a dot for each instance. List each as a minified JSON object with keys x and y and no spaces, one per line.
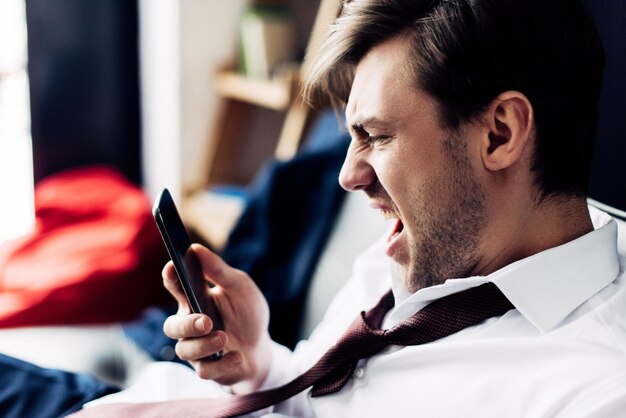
{"x":363,"y":339}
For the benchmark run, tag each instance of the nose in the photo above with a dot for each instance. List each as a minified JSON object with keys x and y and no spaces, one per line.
{"x":356,"y":172}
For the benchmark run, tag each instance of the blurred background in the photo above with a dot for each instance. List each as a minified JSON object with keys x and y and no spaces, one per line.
{"x":134,"y":85}
{"x":102,"y":104}
{"x":171,"y":94}
{"x":130,"y":96}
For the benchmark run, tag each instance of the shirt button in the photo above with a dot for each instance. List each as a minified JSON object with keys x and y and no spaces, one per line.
{"x":167,"y":353}
{"x":359,"y":373}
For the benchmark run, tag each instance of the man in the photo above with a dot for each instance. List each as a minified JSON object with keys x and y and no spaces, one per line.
{"x":472,"y":125}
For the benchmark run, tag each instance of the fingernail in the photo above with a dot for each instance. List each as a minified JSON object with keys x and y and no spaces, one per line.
{"x":216,"y":341}
{"x":199,"y":325}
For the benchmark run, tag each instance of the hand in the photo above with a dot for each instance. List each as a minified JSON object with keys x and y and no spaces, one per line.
{"x":245,"y":341}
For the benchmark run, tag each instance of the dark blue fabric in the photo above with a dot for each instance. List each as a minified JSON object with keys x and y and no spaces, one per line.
{"x":278,"y":240}
{"x":290,"y":210}
{"x":30,"y":391}
{"x":327,"y":131}
{"x":147,"y":332}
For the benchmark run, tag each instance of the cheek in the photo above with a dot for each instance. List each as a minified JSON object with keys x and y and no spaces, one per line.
{"x":407,"y":174}
{"x":393,"y":173}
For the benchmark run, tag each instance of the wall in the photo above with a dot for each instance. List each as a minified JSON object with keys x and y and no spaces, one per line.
{"x":208,"y":41}
{"x":183,"y":43}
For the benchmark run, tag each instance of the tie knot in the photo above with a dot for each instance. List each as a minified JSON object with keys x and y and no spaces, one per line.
{"x":358,"y":342}
{"x":361,"y":340}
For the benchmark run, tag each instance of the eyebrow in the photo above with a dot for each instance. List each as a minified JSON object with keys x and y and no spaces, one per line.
{"x":372,"y":121}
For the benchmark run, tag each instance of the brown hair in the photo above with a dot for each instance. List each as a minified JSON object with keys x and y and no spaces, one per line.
{"x":466,"y":52}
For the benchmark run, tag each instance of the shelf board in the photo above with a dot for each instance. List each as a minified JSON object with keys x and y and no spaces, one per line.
{"x":273,"y":94}
{"x":212,"y":215}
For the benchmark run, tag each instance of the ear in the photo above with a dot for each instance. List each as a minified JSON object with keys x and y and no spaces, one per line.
{"x":509,"y":121}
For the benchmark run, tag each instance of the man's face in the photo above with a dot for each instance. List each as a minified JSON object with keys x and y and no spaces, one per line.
{"x":413,"y":170}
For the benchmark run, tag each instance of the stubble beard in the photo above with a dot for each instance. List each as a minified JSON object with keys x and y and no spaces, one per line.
{"x":447,"y":239}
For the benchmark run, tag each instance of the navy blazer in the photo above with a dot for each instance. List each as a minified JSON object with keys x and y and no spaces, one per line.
{"x":291,"y":210}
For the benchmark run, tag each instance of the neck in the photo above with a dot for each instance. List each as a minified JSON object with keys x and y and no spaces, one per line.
{"x":530,"y":228}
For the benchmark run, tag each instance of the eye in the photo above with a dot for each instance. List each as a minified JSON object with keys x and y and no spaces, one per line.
{"x":374,"y":140}
{"x":366,"y":138}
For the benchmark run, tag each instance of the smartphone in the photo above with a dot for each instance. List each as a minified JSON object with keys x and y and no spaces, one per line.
{"x":185,"y":261}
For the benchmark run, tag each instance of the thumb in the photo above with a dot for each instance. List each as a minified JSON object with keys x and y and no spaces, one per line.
{"x":172,"y":284}
{"x":216,"y":270}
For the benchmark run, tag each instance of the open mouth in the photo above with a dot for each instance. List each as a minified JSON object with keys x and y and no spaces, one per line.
{"x":398,"y":226}
{"x":395,"y":239}
{"x":396,"y":231}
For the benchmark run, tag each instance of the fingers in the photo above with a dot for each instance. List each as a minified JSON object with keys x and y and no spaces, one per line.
{"x":187,"y":326}
{"x":239,"y":300}
{"x":227,"y":371}
{"x":199,"y":348}
{"x":216,"y":269}
{"x":196,"y":342}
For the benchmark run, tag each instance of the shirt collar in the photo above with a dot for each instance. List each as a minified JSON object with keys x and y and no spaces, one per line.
{"x":545,"y":287}
{"x":548,"y":286}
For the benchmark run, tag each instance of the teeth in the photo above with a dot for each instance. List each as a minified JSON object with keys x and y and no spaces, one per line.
{"x":388,"y":214}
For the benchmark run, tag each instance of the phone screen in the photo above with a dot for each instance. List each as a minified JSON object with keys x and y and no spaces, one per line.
{"x":185,"y":261}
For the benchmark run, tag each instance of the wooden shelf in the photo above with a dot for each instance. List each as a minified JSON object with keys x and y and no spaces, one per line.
{"x":274,"y":94}
{"x":212,"y":215}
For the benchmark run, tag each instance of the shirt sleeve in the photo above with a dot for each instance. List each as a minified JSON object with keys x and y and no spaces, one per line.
{"x":284,"y":368}
{"x":278,"y":373}
{"x":363,"y":289}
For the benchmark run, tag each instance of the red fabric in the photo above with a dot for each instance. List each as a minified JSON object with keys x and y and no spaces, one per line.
{"x":95,"y":254}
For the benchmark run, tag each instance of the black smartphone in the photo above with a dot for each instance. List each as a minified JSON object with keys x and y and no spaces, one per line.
{"x":185,"y":261}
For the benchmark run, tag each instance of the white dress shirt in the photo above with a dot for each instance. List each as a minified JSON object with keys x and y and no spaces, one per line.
{"x":560,"y":353}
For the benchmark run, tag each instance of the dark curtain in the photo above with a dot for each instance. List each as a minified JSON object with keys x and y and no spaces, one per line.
{"x":84,"y":84}
{"x":608,"y":172}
